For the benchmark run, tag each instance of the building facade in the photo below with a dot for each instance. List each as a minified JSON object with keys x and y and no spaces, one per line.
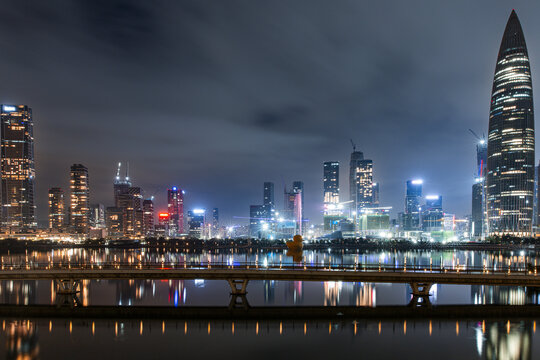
{"x":413,"y":196}
{"x":268,"y":195}
{"x":17,"y":169}
{"x":80,"y":193}
{"x":57,"y":211}
{"x":330,"y":183}
{"x":175,"y":208}
{"x":360,"y":182}
{"x":148,"y":217}
{"x":510,"y":170}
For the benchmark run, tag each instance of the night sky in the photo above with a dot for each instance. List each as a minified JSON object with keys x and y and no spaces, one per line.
{"x":217,"y":97}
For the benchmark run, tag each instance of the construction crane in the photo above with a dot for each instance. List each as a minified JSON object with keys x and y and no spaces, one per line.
{"x":353,"y":145}
{"x":481,"y":139}
{"x":118,"y":172}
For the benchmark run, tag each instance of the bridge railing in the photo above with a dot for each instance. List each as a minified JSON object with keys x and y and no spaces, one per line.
{"x":253,"y":265}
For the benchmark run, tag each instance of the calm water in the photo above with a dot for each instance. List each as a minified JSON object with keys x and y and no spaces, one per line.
{"x":266,"y":339}
{"x":53,"y":339}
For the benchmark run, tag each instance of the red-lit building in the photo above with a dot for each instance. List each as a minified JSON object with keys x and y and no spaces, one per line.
{"x":162,"y":228}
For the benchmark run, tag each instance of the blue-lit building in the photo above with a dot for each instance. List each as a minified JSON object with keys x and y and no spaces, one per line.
{"x":196,"y":222}
{"x":413,"y":197}
{"x":432,"y":214}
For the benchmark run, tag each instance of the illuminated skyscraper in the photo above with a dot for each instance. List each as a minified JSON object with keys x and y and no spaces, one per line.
{"x":196,"y":222}
{"x":57,"y":210}
{"x":17,"y":168}
{"x":120,"y":185}
{"x":80,"y":192}
{"x":411,"y":217}
{"x":175,"y":208}
{"x":360,"y":181}
{"x":148,"y":217}
{"x":330,"y":183}
{"x":510,"y":170}
{"x":432,"y":214}
{"x":97,"y":216}
{"x":130,"y":202}
{"x":298,"y":190}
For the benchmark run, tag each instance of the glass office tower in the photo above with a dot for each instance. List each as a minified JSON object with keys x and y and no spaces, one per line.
{"x":510,"y":170}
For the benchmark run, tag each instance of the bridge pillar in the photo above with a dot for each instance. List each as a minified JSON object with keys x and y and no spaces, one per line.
{"x":66,"y":292}
{"x":238,"y":292}
{"x":420,"y":294}
{"x":238,"y":287}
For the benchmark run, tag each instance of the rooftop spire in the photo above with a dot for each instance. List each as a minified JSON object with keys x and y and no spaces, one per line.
{"x":513,"y":36}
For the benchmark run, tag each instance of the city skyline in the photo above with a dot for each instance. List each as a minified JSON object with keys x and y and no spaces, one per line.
{"x":179,"y":161}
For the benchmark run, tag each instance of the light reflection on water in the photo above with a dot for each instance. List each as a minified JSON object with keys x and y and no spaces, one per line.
{"x":203,"y":292}
{"x":48,"y":339}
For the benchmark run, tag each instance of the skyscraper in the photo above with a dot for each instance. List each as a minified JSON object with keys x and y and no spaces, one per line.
{"x":175,"y":208}
{"x":80,"y":192}
{"x":298,"y":191}
{"x":432,"y":214}
{"x":411,"y":217}
{"x":256,"y":216}
{"x":478,"y":219}
{"x":148,"y":217}
{"x":330,"y":183}
{"x":120,"y":185}
{"x":17,"y":168}
{"x":477,"y":214}
{"x":360,"y":181}
{"x":57,"y":210}
{"x":510,"y":176}
{"x":97,"y":216}
{"x":375,"y":196}
{"x":268,"y":194}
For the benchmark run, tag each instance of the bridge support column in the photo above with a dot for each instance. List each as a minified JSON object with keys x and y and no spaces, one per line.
{"x":420,"y":294}
{"x":238,"y":292}
{"x":66,"y":292}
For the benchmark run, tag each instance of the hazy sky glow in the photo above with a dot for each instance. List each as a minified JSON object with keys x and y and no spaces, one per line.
{"x":217,"y":97}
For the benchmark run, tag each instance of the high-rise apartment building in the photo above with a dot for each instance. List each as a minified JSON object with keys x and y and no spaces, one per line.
{"x":175,"y":208}
{"x":80,"y":192}
{"x":57,"y":211}
{"x":510,"y":164}
{"x":17,"y":169}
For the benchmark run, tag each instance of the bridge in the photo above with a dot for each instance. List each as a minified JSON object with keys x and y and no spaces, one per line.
{"x":420,"y":278}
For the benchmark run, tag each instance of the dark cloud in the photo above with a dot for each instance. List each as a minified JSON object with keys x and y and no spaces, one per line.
{"x":219,"y":96}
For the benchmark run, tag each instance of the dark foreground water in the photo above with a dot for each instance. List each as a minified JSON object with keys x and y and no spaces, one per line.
{"x":215,"y":339}
{"x":57,"y":339}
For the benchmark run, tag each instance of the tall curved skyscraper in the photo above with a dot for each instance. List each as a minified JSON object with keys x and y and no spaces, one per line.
{"x":510,"y":164}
